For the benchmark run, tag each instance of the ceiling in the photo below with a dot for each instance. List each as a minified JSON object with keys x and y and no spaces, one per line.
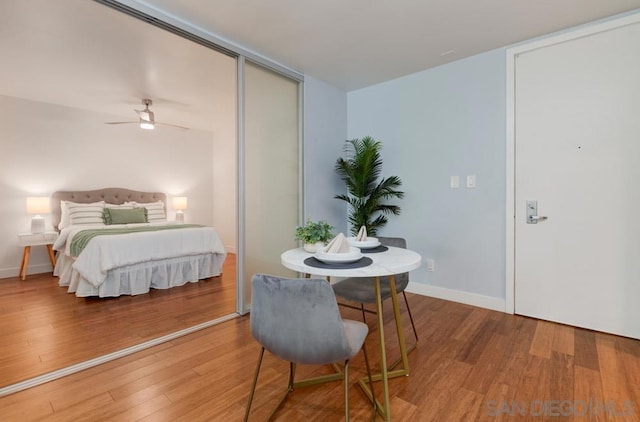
{"x":82,"y":54}
{"x":356,"y":43}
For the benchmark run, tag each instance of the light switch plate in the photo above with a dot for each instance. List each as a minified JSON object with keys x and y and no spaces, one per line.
{"x":471,"y":181}
{"x":454,"y":182}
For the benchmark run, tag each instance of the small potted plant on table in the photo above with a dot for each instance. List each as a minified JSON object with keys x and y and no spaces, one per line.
{"x":314,"y":234}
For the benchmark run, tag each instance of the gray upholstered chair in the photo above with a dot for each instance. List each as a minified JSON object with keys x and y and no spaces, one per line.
{"x":298,"y":320}
{"x":361,"y":290}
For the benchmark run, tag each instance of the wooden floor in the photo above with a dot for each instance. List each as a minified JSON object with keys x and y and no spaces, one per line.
{"x":471,"y":365}
{"x":43,"y":328}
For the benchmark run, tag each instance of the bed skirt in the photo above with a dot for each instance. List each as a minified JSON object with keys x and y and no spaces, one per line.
{"x":140,"y":278}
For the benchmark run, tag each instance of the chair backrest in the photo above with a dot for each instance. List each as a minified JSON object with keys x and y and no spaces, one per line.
{"x":402,"y":280}
{"x":297,"y":319}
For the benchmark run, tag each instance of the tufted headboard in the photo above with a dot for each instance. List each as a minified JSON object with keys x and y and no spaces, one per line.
{"x":109,"y":195}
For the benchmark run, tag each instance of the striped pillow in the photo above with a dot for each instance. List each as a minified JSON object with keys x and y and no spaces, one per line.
{"x":125,"y":206}
{"x":155,"y":211}
{"x":85,"y":214}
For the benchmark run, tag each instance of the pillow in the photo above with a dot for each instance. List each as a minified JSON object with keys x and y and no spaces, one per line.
{"x":155,"y":211}
{"x":85,"y":214}
{"x":64,"y":215}
{"x":124,"y":215}
{"x":126,"y":206}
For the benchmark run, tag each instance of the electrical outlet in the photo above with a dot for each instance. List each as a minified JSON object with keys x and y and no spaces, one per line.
{"x":430,"y":265}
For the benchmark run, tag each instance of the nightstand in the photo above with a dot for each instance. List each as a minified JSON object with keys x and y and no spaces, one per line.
{"x":27,"y":240}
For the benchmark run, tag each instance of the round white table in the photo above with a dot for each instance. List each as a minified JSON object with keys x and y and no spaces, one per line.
{"x":392,"y":261}
{"x":387,"y":263}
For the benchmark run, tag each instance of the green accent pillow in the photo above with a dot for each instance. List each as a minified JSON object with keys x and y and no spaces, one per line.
{"x":125,"y":216}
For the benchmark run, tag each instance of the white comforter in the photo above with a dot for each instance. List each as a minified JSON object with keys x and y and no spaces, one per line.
{"x":108,"y":252}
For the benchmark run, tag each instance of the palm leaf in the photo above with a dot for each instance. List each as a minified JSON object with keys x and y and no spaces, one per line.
{"x":360,"y":170}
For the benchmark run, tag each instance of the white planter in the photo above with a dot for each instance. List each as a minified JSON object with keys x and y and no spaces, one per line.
{"x":313,"y":247}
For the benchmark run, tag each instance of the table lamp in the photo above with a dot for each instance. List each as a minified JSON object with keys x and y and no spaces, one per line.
{"x":38,"y":205}
{"x":180,"y":204}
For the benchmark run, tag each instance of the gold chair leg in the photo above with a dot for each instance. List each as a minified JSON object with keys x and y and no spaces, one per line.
{"x":373,"y":394}
{"x":396,"y":312}
{"x":292,"y":372}
{"x":336,"y":376}
{"x":413,"y":325}
{"x":253,"y":387}
{"x":346,"y":390}
{"x":290,"y":384}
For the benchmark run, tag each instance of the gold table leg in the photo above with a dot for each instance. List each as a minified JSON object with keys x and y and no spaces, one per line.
{"x":385,"y":374}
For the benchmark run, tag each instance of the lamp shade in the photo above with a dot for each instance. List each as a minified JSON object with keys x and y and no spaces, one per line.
{"x":38,"y":205}
{"x":179,"y":203}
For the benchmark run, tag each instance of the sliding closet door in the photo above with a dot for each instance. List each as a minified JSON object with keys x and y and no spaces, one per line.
{"x":271,"y":171}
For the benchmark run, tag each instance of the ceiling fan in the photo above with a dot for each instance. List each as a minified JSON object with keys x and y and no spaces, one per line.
{"x":146,"y":118}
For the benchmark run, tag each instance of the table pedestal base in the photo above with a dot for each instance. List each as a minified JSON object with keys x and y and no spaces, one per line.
{"x":385,"y":373}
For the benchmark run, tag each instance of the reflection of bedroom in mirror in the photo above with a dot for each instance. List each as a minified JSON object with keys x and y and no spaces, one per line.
{"x":69,"y":68}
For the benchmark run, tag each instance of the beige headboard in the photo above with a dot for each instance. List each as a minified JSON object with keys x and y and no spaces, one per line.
{"x":109,"y":195}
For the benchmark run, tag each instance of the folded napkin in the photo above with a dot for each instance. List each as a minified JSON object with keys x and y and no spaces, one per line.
{"x":362,"y":234}
{"x":338,"y":244}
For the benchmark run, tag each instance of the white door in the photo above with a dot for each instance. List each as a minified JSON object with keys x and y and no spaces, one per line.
{"x":577,"y":153}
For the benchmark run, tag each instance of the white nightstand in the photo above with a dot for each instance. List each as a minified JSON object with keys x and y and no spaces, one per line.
{"x":27,"y":240}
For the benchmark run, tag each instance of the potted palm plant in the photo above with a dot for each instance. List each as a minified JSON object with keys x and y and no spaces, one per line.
{"x":366,"y":192}
{"x":314,"y":234}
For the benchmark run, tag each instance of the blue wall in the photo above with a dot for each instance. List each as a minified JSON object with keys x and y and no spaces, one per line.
{"x":325,"y":130}
{"x":434,"y":124}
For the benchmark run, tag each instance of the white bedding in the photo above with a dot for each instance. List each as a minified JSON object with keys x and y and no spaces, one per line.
{"x":113,"y":265}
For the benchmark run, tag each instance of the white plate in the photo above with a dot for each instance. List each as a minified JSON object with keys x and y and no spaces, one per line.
{"x":353,"y":255}
{"x":370,"y":243}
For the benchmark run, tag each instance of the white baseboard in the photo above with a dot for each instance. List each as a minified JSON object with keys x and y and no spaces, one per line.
{"x":33,"y":269}
{"x":9,"y":272}
{"x":474,"y":299}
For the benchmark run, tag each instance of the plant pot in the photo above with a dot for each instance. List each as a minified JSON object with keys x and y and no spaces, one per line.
{"x":313,"y":247}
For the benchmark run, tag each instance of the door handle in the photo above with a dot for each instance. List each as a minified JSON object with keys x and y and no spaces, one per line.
{"x":535,"y":218}
{"x":532,"y":213}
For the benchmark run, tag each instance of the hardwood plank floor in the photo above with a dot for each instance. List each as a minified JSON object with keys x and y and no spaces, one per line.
{"x":470,"y":365}
{"x":44,"y":328}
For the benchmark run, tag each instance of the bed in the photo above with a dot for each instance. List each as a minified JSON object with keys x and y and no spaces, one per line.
{"x":136,"y":250}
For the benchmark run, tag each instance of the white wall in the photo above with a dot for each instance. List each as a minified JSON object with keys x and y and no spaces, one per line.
{"x":325,"y":130}
{"x":441,"y":122}
{"x":45,"y":147}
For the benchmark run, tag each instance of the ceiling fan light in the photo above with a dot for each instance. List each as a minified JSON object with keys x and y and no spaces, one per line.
{"x":145,"y":124}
